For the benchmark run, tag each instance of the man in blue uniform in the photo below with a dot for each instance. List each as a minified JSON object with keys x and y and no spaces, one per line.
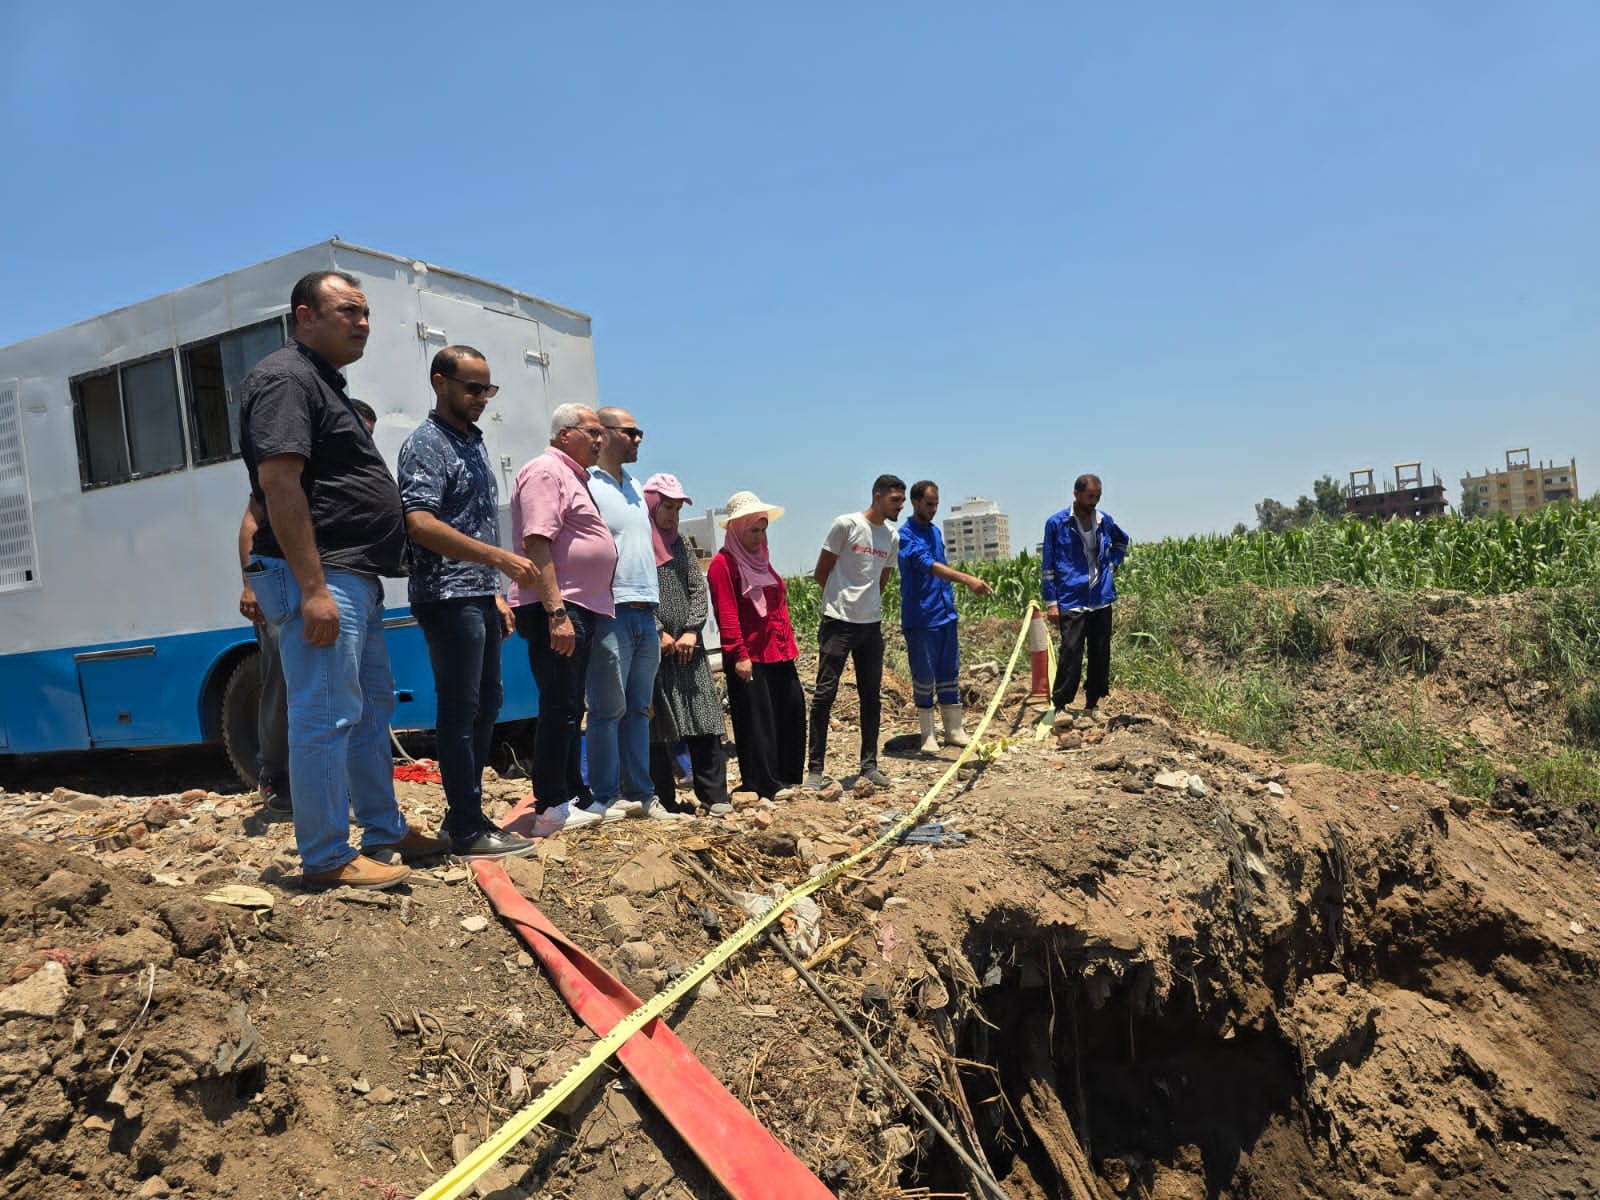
{"x":928,"y":617}
{"x":1082,"y":546}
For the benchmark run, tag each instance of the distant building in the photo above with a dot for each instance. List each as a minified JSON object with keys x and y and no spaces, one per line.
{"x":976,"y":531}
{"x":1521,"y":487}
{"x":1409,"y":498}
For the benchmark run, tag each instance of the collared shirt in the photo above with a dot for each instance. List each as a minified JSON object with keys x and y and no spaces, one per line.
{"x":446,"y":472}
{"x":294,"y":402}
{"x":622,"y":505}
{"x":550,"y":499}
{"x":926,"y":601}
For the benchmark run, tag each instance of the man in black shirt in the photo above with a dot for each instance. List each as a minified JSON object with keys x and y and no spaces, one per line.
{"x":334,"y":527}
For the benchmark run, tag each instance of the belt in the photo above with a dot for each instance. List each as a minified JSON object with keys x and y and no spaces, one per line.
{"x":643,"y":604}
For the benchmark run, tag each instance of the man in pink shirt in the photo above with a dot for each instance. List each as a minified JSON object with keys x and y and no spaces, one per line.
{"x":556,"y":523}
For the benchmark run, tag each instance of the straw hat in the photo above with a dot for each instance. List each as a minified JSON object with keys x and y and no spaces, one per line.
{"x":748,"y":504}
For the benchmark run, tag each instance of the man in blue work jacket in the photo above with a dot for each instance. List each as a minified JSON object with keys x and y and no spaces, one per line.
{"x":1082,"y":547}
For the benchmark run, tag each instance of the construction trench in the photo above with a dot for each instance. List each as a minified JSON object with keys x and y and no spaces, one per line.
{"x":1154,"y":964}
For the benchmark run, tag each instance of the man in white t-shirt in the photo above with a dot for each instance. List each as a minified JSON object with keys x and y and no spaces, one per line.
{"x":854,"y":564}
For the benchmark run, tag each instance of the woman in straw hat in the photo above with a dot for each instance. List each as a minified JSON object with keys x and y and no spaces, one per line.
{"x":686,"y":706}
{"x":765,"y":698}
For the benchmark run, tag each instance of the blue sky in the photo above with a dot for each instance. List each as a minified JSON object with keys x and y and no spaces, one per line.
{"x":1207,"y":251}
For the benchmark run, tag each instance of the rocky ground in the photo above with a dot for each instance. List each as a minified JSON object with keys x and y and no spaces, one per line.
{"x":1154,"y":964}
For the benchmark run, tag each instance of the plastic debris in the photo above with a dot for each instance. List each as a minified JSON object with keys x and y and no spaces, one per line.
{"x":928,"y":833}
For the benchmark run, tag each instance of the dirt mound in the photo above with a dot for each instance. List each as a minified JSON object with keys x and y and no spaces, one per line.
{"x":1138,"y":960}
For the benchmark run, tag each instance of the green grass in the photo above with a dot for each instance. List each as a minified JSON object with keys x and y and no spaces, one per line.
{"x":1564,"y":778}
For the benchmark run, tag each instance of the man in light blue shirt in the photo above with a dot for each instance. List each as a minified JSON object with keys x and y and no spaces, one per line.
{"x":627,"y":646}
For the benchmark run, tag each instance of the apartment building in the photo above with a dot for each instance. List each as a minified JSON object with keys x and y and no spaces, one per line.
{"x":976,"y":531}
{"x":1409,"y":497}
{"x":1521,"y":487}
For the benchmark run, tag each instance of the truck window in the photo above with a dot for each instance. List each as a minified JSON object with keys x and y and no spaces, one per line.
{"x":129,"y":423}
{"x":213,"y":371}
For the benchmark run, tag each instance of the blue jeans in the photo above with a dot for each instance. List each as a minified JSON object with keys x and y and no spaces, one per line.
{"x":557,"y":750}
{"x":463,"y":638}
{"x":622,"y":680}
{"x":340,"y":700}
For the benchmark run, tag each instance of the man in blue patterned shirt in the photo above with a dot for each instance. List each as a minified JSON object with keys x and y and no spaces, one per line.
{"x":452,"y":517}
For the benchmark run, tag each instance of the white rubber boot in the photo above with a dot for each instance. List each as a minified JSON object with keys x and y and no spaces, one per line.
{"x":954,"y":735}
{"x":930,"y":743}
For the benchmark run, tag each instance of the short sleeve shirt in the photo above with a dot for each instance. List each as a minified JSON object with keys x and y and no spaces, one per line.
{"x":294,"y":402}
{"x":926,"y":601}
{"x":622,"y":505}
{"x":446,"y":472}
{"x":864,"y":551}
{"x":550,"y":499}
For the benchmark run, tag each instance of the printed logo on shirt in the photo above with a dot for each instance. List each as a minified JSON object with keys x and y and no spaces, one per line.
{"x":872,"y":550}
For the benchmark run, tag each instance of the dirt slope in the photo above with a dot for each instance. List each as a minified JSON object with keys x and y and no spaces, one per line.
{"x":1217,"y":975}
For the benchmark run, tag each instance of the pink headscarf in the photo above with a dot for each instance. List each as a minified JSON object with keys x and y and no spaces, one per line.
{"x":755,"y":568}
{"x":658,"y":487}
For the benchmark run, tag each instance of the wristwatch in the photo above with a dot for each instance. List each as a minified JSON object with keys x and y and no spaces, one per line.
{"x":555,"y":614}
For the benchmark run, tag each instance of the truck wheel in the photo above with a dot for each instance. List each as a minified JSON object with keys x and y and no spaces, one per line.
{"x":241,"y":698}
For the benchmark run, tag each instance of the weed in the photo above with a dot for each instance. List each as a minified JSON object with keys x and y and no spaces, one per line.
{"x":1564,"y":778}
{"x":1583,"y":717}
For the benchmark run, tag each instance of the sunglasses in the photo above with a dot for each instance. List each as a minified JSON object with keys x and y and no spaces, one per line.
{"x":475,"y":389}
{"x":628,"y":431}
{"x":596,"y":432}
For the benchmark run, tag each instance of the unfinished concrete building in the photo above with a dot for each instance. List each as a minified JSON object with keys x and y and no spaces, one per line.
{"x":1520,"y":488}
{"x":977,"y":531}
{"x":1409,"y":497}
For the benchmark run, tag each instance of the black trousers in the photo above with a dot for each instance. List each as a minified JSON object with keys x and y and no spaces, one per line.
{"x":557,"y":739}
{"x":769,"y":726}
{"x":1081,"y":632}
{"x":836,"y":641}
{"x":707,"y":764}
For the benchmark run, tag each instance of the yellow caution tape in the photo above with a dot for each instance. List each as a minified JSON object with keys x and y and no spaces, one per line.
{"x":462,"y":1176}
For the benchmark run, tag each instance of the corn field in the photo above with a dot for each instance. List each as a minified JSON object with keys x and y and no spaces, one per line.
{"x":1557,"y":547}
{"x":1553,"y":548}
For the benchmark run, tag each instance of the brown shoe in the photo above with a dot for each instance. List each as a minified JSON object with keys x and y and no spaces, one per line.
{"x":415,"y":844}
{"x":359,"y":872}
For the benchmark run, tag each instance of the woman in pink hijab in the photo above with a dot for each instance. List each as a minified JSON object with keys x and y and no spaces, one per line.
{"x":765,"y":698}
{"x":686,"y":706}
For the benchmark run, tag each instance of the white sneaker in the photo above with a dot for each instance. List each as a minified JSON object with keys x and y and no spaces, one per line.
{"x":561,"y":818}
{"x":657,"y":811}
{"x":629,"y":808}
{"x":604,"y":812}
{"x":722,"y":809}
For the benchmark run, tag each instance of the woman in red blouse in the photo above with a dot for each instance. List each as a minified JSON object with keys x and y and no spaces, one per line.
{"x":765,"y":698}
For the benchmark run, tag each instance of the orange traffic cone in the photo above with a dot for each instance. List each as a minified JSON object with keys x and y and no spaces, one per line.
{"x":1039,"y":646}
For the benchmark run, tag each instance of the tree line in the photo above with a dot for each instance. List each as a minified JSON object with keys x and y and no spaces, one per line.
{"x":1326,"y":503}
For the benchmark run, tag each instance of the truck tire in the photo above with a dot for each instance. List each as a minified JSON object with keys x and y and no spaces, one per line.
{"x":241,"y":700}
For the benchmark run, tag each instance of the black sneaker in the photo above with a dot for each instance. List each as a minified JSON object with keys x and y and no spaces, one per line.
{"x":876,"y":777}
{"x":492,"y":843}
{"x":275,"y":798}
